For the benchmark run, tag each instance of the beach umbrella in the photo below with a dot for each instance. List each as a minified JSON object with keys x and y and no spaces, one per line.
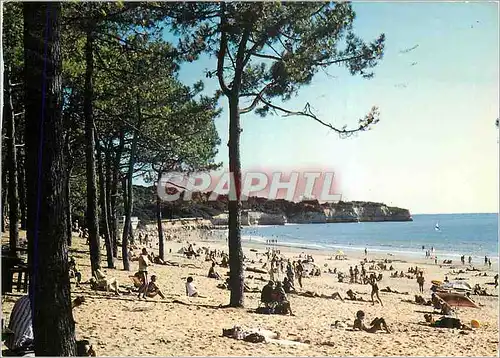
{"x":456,"y":299}
{"x":340,"y":252}
{"x":457,"y":285}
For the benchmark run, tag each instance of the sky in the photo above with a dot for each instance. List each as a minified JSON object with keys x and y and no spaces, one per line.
{"x":435,"y":149}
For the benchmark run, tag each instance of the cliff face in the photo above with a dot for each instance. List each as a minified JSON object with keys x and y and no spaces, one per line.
{"x":260,"y":211}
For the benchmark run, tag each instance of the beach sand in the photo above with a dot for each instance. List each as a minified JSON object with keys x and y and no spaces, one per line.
{"x":127,"y":326}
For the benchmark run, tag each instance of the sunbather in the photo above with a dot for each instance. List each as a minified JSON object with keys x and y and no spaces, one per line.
{"x":376,"y":325}
{"x":191,"y":290}
{"x":153,"y":289}
{"x":288,"y":286}
{"x":282,"y":300}
{"x":102,"y":282}
{"x":212,"y":273}
{"x":266,"y":296}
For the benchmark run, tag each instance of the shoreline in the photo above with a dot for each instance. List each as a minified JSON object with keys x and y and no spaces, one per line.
{"x":390,"y":252}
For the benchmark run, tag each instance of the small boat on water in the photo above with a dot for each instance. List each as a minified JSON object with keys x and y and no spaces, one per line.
{"x":437,"y":227}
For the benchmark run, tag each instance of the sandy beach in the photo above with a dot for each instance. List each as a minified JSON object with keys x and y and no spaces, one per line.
{"x":126,"y":326}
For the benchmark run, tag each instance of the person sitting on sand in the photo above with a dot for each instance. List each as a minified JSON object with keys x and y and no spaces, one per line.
{"x":224,"y":262}
{"x":153,"y":289}
{"x":212,"y":273}
{"x":266,"y":296}
{"x":191,"y":290}
{"x":73,"y":271}
{"x":376,"y":325}
{"x":288,"y":286}
{"x":102,"y":282}
{"x":282,"y":300}
{"x":373,"y":283}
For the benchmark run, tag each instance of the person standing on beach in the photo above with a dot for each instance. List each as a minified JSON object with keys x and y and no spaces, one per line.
{"x":485,"y":260}
{"x":489,"y":263}
{"x":300,"y":272}
{"x":373,"y":283}
{"x":420,"y":281}
{"x":351,"y":274}
{"x":356,"y":273}
{"x":143,"y":270}
{"x":470,"y":260}
{"x":366,"y":251}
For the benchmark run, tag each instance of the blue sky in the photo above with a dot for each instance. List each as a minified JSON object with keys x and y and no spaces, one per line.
{"x":436,"y":147}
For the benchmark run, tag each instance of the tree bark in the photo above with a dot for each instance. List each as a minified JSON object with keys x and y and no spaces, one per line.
{"x":4,"y":193}
{"x":22,"y":189}
{"x":69,"y":224}
{"x":8,"y":112}
{"x":235,"y":250}
{"x":68,"y":170}
{"x":53,"y":324}
{"x":107,"y":183}
{"x":92,"y":214}
{"x":127,"y":227}
{"x":104,"y":209}
{"x":114,"y":192}
{"x":161,"y":243}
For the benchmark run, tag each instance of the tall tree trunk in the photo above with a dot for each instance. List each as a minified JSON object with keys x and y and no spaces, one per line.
{"x":53,"y":324}
{"x":104,"y":209}
{"x":126,"y":225}
{"x":235,"y":251}
{"x":107,"y":183}
{"x":4,"y":195}
{"x":2,"y":169}
{"x":22,"y":189}
{"x":69,"y":169}
{"x":127,"y":228}
{"x":161,"y":243}
{"x":114,"y":192}
{"x":92,"y":214}
{"x":8,"y":112}
{"x":69,"y":224}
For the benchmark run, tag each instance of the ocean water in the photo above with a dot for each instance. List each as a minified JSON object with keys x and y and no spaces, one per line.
{"x":460,"y":234}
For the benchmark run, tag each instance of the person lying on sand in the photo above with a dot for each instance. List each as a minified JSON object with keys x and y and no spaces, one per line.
{"x":157,"y":260}
{"x":390,"y":290}
{"x":152,"y":290}
{"x":421,"y":301}
{"x":313,"y":294}
{"x":446,"y":322}
{"x":352,"y":296}
{"x":376,"y":325}
{"x":103,"y":283}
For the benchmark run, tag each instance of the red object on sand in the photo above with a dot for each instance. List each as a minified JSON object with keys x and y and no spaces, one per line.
{"x":456,"y":299}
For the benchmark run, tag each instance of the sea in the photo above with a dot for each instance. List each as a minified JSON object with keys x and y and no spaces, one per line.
{"x":451,"y":236}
